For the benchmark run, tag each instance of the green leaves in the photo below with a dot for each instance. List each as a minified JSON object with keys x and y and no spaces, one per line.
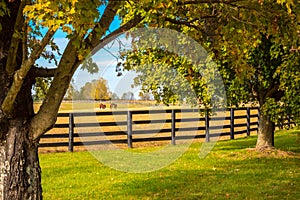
{"x":41,"y":87}
{"x":90,"y":65}
{"x":288,"y":3}
{"x":3,"y":10}
{"x":74,"y":17}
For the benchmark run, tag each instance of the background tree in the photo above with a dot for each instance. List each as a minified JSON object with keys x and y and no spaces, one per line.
{"x":115,"y":96}
{"x":251,"y":44}
{"x":100,"y":90}
{"x":127,"y":96}
{"x":72,"y":93}
{"x":144,"y":96}
{"x":85,"y":91}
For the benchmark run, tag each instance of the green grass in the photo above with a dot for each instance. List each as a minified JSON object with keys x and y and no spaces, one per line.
{"x":230,"y":171}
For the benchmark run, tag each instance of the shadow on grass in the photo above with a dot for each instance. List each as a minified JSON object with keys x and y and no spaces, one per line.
{"x":239,"y":143}
{"x":287,"y":140}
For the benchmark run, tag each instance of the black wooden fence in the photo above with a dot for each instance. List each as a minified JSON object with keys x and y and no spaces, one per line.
{"x":249,"y":116}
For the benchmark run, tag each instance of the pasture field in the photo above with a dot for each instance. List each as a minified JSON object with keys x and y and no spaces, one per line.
{"x":68,"y":106}
{"x":232,"y":170}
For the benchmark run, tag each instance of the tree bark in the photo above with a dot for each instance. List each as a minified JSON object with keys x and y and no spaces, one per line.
{"x":266,"y":130}
{"x":20,"y":170}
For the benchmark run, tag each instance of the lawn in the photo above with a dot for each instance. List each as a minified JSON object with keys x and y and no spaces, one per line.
{"x":230,"y":171}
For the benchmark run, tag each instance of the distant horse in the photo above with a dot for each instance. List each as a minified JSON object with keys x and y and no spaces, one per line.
{"x":102,"y":106}
{"x":113,"y":105}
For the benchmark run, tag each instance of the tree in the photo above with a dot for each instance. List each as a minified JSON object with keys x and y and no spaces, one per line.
{"x":100,"y":90}
{"x":114,"y":96}
{"x":250,"y":41}
{"x":145,"y":96}
{"x":72,"y":93}
{"x":27,"y":28}
{"x":85,"y":91}
{"x":127,"y":96}
{"x":97,"y":90}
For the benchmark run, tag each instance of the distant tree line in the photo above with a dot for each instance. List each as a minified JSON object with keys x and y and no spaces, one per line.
{"x":94,"y":90}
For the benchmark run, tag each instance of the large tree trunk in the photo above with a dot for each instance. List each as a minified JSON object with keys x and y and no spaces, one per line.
{"x":266,"y":130}
{"x":19,"y":164}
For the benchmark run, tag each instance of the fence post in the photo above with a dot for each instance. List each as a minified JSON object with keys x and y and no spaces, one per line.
{"x":173,"y":126}
{"x":248,"y":121}
{"x":207,"y":139}
{"x":258,"y":119}
{"x":129,"y":129}
{"x":71,"y":132}
{"x":231,"y":123}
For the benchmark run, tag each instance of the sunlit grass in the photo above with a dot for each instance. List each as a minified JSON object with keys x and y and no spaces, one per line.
{"x":230,"y":171}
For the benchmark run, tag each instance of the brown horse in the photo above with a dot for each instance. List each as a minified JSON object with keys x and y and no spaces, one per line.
{"x":102,"y":106}
{"x":113,"y":105}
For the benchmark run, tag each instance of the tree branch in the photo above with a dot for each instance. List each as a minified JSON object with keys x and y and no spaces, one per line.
{"x":104,"y":41}
{"x":271,"y":90}
{"x":15,"y":40}
{"x":43,"y":72}
{"x":7,"y":105}
{"x":103,"y":25}
{"x":182,"y":22}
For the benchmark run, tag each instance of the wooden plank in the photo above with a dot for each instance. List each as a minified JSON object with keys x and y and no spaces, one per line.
{"x":61,"y":126}
{"x":96,"y":124}
{"x":63,"y":115}
{"x":99,"y":142}
{"x":240,"y":117}
{"x":240,"y":132}
{"x":56,"y":144}
{"x":187,"y":137}
{"x":56,"y":135}
{"x":104,"y":113}
{"x":152,"y":139}
{"x":154,"y":121}
{"x":191,"y":119}
{"x":140,"y":112}
{"x":100,"y":134}
{"x":219,"y":118}
{"x":159,"y":121}
{"x":254,"y":123}
{"x":240,"y":125}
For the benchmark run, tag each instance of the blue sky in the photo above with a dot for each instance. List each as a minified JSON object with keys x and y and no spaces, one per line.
{"x":106,"y":61}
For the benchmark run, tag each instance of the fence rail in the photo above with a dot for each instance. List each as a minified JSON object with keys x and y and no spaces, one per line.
{"x":171,"y":126}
